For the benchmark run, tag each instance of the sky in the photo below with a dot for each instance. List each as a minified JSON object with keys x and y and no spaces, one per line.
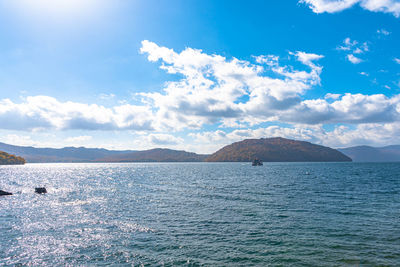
{"x":197,"y":75}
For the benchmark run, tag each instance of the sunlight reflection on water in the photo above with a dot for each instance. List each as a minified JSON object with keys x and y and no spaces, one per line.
{"x":204,"y":214}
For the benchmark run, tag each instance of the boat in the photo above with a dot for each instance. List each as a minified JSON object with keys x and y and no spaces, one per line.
{"x":257,"y":162}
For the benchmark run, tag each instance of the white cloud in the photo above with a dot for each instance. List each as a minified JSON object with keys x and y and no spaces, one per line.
{"x":308,"y":58}
{"x":332,"y":96}
{"x":104,"y":96}
{"x":164,"y":139}
{"x":20,"y":140}
{"x":397,"y":60}
{"x":386,"y":6}
{"x":364,"y":73}
{"x":79,"y":139}
{"x":44,"y":112}
{"x":357,"y":51}
{"x":267,"y":59}
{"x":383,"y":32}
{"x":321,"y":6}
{"x":213,"y":90}
{"x":350,"y":108}
{"x":352,"y":47}
{"x":353,"y":59}
{"x":332,"y":6}
{"x":348,"y":44}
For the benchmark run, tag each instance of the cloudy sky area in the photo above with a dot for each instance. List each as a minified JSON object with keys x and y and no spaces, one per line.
{"x":197,"y":75}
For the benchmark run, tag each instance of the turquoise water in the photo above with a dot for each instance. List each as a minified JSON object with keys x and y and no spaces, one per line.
{"x":211,"y":214}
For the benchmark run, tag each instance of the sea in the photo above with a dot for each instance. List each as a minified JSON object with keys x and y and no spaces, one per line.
{"x":201,"y":214}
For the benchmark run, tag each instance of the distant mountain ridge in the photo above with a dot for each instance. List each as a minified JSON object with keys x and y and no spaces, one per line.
{"x":277,"y":149}
{"x":66,"y":154}
{"x":82,"y":154}
{"x":373,"y":154}
{"x":266,"y":149}
{"x":156,"y":155}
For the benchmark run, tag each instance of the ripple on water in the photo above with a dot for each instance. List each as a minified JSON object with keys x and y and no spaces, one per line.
{"x":287,"y":214}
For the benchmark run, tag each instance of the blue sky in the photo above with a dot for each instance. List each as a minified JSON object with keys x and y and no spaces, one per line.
{"x":197,"y":75}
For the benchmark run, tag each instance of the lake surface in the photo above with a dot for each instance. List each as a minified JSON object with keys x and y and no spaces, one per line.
{"x":211,"y":214}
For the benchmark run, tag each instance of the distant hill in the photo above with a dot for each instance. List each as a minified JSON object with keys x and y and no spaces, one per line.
{"x":267,"y":149}
{"x":156,"y":155}
{"x":82,"y":154}
{"x":276,"y":150}
{"x":373,"y":154}
{"x":66,"y":154}
{"x":8,"y":159}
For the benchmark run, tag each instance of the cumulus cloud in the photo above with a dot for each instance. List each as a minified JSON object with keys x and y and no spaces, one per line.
{"x":352,"y":47}
{"x":308,"y":59}
{"x":44,"y":112}
{"x":79,"y":139}
{"x":348,"y":44}
{"x":350,"y":108}
{"x":211,"y":89}
{"x":20,"y":140}
{"x":235,"y":92}
{"x":332,"y":96}
{"x":164,"y":139}
{"x":321,"y":6}
{"x":355,"y":46}
{"x":215,"y":88}
{"x":332,"y":6}
{"x":353,"y":59}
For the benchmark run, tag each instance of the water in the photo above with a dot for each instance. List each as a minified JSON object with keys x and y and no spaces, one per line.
{"x":212,"y":214}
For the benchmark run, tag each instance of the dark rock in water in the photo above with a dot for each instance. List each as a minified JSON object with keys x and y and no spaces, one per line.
{"x":40,"y":190}
{"x":4,"y":193}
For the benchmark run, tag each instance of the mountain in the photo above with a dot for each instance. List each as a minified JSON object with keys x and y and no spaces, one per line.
{"x":82,"y":154}
{"x":156,"y":155}
{"x":276,"y":150}
{"x":372,"y":154}
{"x":66,"y":154}
{"x":266,"y":149}
{"x":7,"y":159}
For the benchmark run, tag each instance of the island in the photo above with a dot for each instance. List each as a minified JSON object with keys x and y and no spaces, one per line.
{"x":276,"y":149}
{"x":8,"y":159}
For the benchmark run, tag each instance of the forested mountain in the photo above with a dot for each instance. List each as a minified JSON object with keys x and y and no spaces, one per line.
{"x":276,"y":150}
{"x":156,"y":155}
{"x":8,"y":159}
{"x":82,"y":154}
{"x":66,"y":154}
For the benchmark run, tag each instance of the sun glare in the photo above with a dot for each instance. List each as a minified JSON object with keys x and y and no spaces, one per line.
{"x":57,"y":10}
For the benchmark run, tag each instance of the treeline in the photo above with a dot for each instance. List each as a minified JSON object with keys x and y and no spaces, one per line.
{"x":155,"y":155}
{"x":8,"y":159}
